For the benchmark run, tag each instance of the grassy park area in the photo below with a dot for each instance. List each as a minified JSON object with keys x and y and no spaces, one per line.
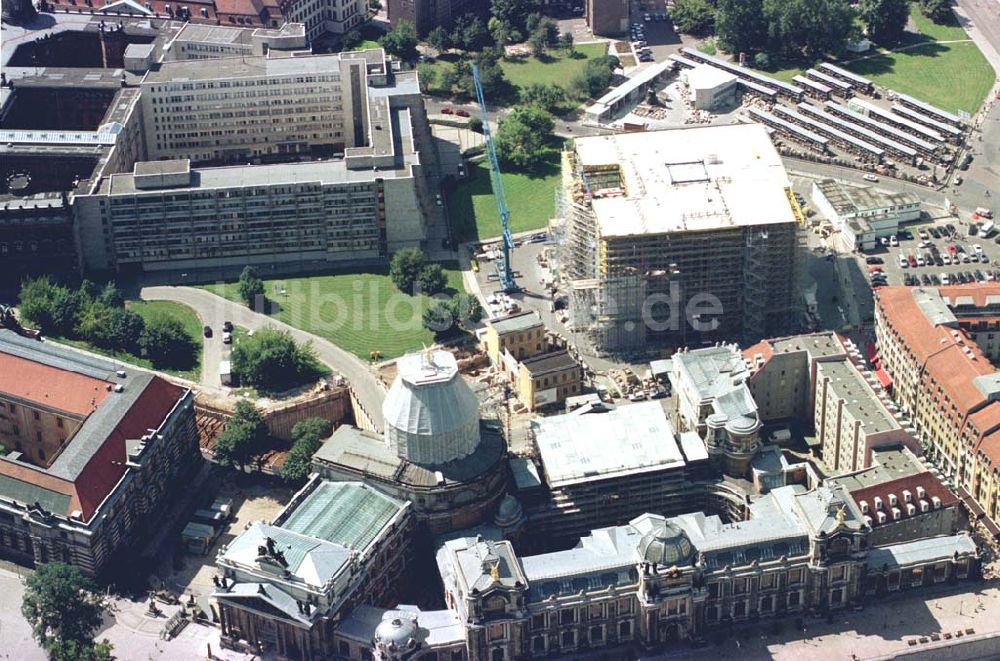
{"x":147,"y":310}
{"x":953,"y":76}
{"x":557,"y":67}
{"x":530,"y":199}
{"x":359,"y":312}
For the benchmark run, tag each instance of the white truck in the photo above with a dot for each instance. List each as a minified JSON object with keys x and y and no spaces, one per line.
{"x":983,"y":212}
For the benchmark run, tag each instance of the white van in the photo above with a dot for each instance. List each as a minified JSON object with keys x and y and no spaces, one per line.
{"x":983,"y":212}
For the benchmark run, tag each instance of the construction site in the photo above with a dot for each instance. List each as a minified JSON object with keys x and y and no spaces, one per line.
{"x":677,"y":238}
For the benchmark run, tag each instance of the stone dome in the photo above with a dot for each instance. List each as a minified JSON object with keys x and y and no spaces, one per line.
{"x":666,"y":544}
{"x":431,"y":414}
{"x":509,"y":513}
{"x":397,"y":632}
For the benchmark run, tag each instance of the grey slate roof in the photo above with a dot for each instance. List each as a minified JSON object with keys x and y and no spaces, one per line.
{"x":922,"y":551}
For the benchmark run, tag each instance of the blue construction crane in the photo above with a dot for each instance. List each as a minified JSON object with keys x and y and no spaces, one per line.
{"x":504,"y":268}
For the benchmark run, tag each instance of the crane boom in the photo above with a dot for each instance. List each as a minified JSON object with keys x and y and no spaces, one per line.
{"x":505,"y":269}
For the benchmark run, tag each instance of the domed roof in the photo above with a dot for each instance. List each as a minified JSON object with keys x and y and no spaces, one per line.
{"x":431,"y":414}
{"x":666,"y":544}
{"x":396,"y":631}
{"x":509,"y":512}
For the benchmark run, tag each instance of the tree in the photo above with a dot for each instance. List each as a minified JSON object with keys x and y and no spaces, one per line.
{"x":125,"y":329}
{"x":271,"y":361}
{"x":465,"y":309}
{"x":538,"y":43}
{"x":515,"y":13}
{"x":437,"y":318}
{"x":72,"y":650}
{"x":439,"y":39}
{"x":165,"y":342}
{"x":351,"y":40}
{"x":740,"y":26}
{"x":808,"y":27}
{"x":244,"y":438}
{"x":885,"y":20}
{"x":307,"y":438}
{"x":548,"y":96}
{"x":596,"y":76}
{"x":62,"y":606}
{"x":501,"y":32}
{"x":566,"y":42}
{"x":432,"y":279}
{"x":762,"y":60}
{"x":401,"y":41}
{"x":112,"y":296}
{"x":476,"y":124}
{"x":693,"y":16}
{"x":250,"y":285}
{"x":405,"y":268}
{"x":470,"y":33}
{"x":449,"y":79}
{"x":427,"y":75}
{"x":37,"y":303}
{"x":938,"y":11}
{"x":524,"y":135}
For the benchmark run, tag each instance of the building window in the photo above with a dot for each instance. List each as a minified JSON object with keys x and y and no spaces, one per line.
{"x":740,"y":609}
{"x":766,"y":604}
{"x":498,"y":654}
{"x":538,"y":621}
{"x":569,"y":638}
{"x":496,"y":632}
{"x":766,"y":581}
{"x":37,"y":416}
{"x":596,"y":611}
{"x":837,"y":596}
{"x":795,"y":576}
{"x":345,"y":648}
{"x":741,"y":585}
{"x":538,"y":644}
{"x":596,"y":634}
{"x":624,"y":606}
{"x":59,"y":423}
{"x":793,"y":599}
{"x":712,"y":613}
{"x":625,"y":630}
{"x":567,"y":616}
{"x":838,"y":573}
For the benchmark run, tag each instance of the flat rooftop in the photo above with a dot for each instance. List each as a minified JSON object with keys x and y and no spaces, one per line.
{"x":515,"y":323}
{"x":630,"y":439}
{"x":859,"y":398}
{"x":247,"y":66}
{"x":687,"y":180}
{"x":850,"y":200}
{"x":888,"y":464}
{"x":556,"y":361}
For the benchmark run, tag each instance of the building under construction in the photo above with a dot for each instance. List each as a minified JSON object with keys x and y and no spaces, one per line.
{"x":678,"y":237}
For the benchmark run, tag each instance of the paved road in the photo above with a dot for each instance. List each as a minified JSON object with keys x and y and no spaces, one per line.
{"x":214,"y":310}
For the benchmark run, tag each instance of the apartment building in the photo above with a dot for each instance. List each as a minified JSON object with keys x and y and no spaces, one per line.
{"x":522,"y":335}
{"x":93,"y":455}
{"x":322,"y":16}
{"x":677,"y":237}
{"x":548,"y":380}
{"x":199,"y":42}
{"x":820,"y":377}
{"x":607,"y":17}
{"x":929,"y":345}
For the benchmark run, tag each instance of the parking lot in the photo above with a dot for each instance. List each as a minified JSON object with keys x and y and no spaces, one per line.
{"x":938,"y":252}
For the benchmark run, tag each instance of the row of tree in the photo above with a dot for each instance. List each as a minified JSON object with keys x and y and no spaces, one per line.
{"x":98,"y":315}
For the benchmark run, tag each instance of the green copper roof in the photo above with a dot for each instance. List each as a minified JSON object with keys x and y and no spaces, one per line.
{"x":344,"y":513}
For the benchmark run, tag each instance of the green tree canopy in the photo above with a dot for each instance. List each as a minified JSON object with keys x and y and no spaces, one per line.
{"x":693,"y":16}
{"x":244,"y":438}
{"x":885,"y":20}
{"x":470,"y":33}
{"x":432,"y":279}
{"x":938,"y":11}
{"x":566,"y":42}
{"x":439,"y":39}
{"x":405,"y":268}
{"x":514,"y":14}
{"x":165,"y":342}
{"x":401,"y":41}
{"x":465,"y":309}
{"x":808,"y":27}
{"x":740,"y":25}
{"x":37,"y":303}
{"x":250,"y":285}
{"x":72,"y":650}
{"x":307,"y":437}
{"x":271,"y":361}
{"x":62,"y":606}
{"x":524,"y":135}
{"x":351,"y":40}
{"x":548,"y":96}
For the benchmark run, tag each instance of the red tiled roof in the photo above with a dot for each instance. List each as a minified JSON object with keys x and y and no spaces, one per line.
{"x":931,"y":485}
{"x":49,"y":387}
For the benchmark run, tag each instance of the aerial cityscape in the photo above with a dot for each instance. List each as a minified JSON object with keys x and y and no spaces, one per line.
{"x":497,"y":330}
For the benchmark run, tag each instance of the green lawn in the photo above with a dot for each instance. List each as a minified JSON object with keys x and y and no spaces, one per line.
{"x":558,"y":68}
{"x":359,"y":312}
{"x":530,"y":200}
{"x":146,"y":309}
{"x":365,"y":45}
{"x":950,"y":76}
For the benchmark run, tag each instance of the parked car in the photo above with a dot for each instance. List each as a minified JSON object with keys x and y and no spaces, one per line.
{"x":874,"y":260}
{"x":926,"y":280}
{"x":447,"y":111}
{"x":462,"y":113}
{"x":912,"y":260}
{"x":870,"y":177}
{"x":208,"y":331}
{"x":227,"y":338}
{"x":934,"y":232}
{"x":893,"y":241}
{"x":973,"y":229}
{"x":227,"y":326}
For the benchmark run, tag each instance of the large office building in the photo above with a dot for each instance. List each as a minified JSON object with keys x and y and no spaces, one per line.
{"x":334,"y":177}
{"x":863,"y":214}
{"x":678,"y":237}
{"x":937,"y":345}
{"x":93,"y":455}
